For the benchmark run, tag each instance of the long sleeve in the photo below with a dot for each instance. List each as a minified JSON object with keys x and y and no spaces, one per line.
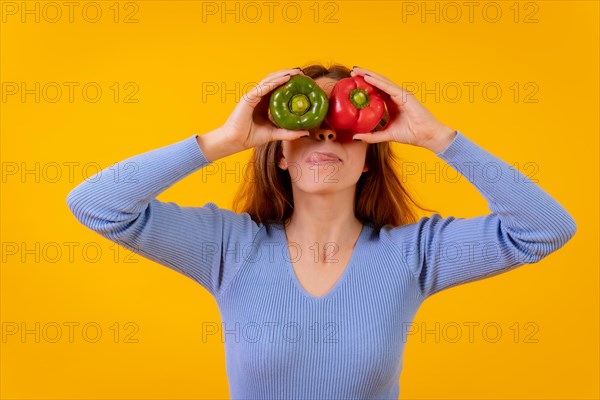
{"x":123,"y":208}
{"x":525,"y":225}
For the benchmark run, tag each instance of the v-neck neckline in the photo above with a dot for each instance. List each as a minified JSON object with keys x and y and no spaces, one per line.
{"x":339,"y":283}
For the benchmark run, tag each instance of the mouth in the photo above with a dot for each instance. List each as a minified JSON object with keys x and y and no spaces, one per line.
{"x":318,"y":157}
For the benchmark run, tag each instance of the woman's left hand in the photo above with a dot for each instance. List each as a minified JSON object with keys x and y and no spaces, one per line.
{"x":410,"y":122}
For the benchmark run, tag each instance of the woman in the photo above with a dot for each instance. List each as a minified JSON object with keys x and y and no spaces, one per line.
{"x":320,"y":276}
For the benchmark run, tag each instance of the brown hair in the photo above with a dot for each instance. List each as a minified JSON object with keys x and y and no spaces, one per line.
{"x":380,"y":197}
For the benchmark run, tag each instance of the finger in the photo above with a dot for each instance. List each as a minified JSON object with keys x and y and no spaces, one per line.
{"x":286,"y":134}
{"x":363,"y":71}
{"x":384,"y":85}
{"x":398,"y":94}
{"x":256,"y":98}
{"x":282,"y":72}
{"x":392,"y":108}
{"x":261,"y":113}
{"x":377,"y":137}
{"x":265,"y":86}
{"x":388,"y":90}
{"x":288,"y":70}
{"x":269,"y":83}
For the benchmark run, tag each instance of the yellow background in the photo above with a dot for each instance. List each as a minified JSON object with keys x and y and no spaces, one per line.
{"x":170,"y":55}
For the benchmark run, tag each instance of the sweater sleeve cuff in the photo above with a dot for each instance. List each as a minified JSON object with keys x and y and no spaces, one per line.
{"x":456,"y":145}
{"x":189,"y":155}
{"x":165,"y":166}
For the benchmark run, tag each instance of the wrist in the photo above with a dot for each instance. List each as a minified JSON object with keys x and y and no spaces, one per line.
{"x":440,"y":139}
{"x":217,"y":144}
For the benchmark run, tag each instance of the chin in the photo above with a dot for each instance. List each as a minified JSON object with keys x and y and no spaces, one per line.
{"x":326,"y":185}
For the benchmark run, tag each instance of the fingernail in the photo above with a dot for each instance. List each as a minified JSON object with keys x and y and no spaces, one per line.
{"x":357,"y":140}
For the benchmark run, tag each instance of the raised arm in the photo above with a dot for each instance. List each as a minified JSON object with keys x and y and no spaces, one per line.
{"x":526,"y":224}
{"x":187,"y":239}
{"x":202,"y":243}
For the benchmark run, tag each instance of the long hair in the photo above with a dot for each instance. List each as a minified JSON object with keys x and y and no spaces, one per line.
{"x":380,"y":196}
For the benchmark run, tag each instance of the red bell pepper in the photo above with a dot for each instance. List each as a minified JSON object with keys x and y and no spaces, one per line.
{"x":355,"y":106}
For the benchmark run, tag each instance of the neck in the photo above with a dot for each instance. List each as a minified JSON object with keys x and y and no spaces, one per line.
{"x":324,"y":217}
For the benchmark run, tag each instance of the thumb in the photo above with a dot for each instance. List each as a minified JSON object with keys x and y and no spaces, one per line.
{"x":376,"y":137}
{"x":287,"y":134}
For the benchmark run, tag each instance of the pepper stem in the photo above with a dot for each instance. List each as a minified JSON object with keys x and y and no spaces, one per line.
{"x":299,"y":104}
{"x":359,"y":98}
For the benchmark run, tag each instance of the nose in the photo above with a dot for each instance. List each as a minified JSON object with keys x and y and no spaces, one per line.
{"x":324,"y":134}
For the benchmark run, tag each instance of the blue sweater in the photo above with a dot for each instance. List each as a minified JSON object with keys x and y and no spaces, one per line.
{"x":281,"y":341}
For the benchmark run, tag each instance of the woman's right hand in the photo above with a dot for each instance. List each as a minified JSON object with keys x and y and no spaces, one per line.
{"x":248,"y":125}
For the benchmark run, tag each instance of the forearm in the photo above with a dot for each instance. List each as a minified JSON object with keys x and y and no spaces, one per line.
{"x":527,"y":212}
{"x":107,"y":202}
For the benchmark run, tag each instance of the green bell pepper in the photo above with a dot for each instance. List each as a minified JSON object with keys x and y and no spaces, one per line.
{"x":299,"y":104}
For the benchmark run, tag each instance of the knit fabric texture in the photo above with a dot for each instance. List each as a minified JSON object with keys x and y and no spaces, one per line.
{"x":281,"y":341}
